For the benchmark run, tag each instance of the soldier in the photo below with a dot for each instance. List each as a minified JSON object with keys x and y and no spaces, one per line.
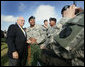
{"x":65,"y":16}
{"x":68,"y":12}
{"x":68,"y":42}
{"x":35,"y":36}
{"x":71,"y":35}
{"x":45,"y":26}
{"x":50,"y":46}
{"x":51,"y":31}
{"x":35,"y":32}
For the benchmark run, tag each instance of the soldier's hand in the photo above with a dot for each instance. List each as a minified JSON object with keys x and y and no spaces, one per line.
{"x":70,"y":12}
{"x":30,"y":40}
{"x":33,"y":41}
{"x":78,"y":10}
{"x":15,"y":55}
{"x":42,"y":47}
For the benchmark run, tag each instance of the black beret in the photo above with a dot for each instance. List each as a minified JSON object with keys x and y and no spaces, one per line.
{"x":32,"y":17}
{"x":64,"y":8}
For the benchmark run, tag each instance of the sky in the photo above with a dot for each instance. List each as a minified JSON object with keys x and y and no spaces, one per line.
{"x":42,"y":10}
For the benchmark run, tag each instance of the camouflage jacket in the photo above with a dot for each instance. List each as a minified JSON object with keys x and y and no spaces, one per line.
{"x":37,"y":33}
{"x":71,"y":39}
{"x":50,"y":33}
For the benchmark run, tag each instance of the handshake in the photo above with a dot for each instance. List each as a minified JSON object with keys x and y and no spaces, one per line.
{"x":32,"y":40}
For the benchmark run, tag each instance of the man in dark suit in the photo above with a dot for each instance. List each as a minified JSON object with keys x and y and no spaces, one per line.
{"x":16,"y":40}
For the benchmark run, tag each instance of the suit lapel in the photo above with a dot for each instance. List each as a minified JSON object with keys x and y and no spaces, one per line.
{"x":20,"y":30}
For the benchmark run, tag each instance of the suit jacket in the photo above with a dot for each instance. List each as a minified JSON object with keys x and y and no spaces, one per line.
{"x":16,"y":40}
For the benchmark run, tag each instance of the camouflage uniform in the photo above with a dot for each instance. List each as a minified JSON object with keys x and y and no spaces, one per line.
{"x":71,"y":38}
{"x":44,"y":28}
{"x":37,"y":33}
{"x":54,"y":48}
{"x":50,"y":33}
{"x":68,"y":41}
{"x":78,"y":43}
{"x":60,"y":24}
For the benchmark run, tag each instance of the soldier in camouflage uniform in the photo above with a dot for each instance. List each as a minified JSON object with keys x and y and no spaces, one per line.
{"x":35,"y":36}
{"x":68,"y":42}
{"x":45,"y":26}
{"x":51,"y":45}
{"x":50,"y":32}
{"x":35,"y":32}
{"x":71,"y":35}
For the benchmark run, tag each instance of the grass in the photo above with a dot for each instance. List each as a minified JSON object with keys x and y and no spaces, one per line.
{"x":4,"y":49}
{"x":3,"y":45}
{"x":4,"y":57}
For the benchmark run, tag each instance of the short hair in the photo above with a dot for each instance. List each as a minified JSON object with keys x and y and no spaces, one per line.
{"x":45,"y":21}
{"x":53,"y":19}
{"x":64,"y":8}
{"x":18,"y":18}
{"x":32,"y":17}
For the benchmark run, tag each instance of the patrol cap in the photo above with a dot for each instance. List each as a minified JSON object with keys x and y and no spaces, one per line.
{"x":64,"y":8}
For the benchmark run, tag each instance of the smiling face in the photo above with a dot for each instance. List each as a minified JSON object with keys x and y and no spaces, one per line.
{"x":52,"y":23}
{"x":32,"y":22}
{"x":21,"y":21}
{"x":46,"y":23}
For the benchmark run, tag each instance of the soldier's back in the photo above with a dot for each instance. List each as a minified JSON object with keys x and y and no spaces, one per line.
{"x":71,"y":37}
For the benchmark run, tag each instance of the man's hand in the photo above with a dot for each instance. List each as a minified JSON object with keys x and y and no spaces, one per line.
{"x":42,"y":47}
{"x":78,"y":10}
{"x":32,"y":40}
{"x":70,"y":12}
{"x":15,"y":55}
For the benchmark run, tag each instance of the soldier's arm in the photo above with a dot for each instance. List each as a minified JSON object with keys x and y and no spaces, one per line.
{"x":62,"y":21}
{"x":42,"y":37}
{"x":60,"y":24}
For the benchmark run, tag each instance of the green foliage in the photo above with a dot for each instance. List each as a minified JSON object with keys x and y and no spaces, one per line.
{"x":35,"y":53}
{"x":4,"y":49}
{"x":3,"y":39}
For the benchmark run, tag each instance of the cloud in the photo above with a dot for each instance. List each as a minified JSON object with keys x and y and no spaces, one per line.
{"x":45,"y":12}
{"x":21,"y":7}
{"x":8,"y":18}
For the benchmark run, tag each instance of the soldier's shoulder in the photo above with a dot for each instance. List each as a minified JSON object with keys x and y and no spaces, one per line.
{"x":79,"y":18}
{"x":49,"y":27}
{"x":63,"y":20}
{"x":38,"y":26}
{"x":56,"y":27}
{"x":27,"y":29}
{"x":81,"y":13}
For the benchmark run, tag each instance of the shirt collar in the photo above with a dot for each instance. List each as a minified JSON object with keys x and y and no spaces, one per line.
{"x":19,"y":25}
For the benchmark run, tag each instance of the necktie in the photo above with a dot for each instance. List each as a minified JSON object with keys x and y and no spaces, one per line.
{"x":22,"y":30}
